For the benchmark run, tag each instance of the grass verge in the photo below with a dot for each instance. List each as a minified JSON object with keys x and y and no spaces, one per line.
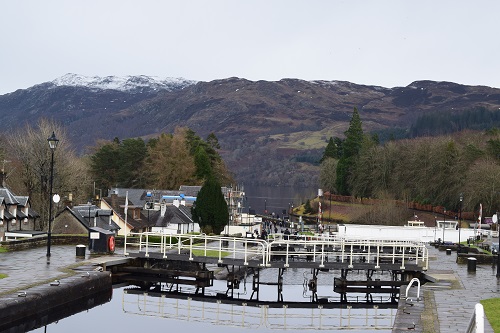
{"x":2,"y":276}
{"x":3,"y":250}
{"x":492,"y":312}
{"x":211,"y":253}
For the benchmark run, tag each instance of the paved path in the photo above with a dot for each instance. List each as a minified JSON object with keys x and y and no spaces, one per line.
{"x":454,"y":306}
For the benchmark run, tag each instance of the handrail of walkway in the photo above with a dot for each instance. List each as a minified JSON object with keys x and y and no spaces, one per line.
{"x":348,"y":251}
{"x":238,"y":248}
{"x":476,"y":323}
{"x":409,"y":286}
{"x":320,"y":249}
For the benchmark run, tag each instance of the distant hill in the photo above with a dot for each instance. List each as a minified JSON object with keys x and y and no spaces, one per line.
{"x":270,"y":132}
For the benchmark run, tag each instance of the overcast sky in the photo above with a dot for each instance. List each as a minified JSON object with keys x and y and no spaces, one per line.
{"x":386,"y":43}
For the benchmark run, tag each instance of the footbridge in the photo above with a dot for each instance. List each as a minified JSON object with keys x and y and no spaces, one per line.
{"x":167,"y":262}
{"x":282,"y":251}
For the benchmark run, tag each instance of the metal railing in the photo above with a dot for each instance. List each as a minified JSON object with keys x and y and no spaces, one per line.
{"x":320,"y":249}
{"x":350,"y":251}
{"x":417,"y":281}
{"x":200,"y":245}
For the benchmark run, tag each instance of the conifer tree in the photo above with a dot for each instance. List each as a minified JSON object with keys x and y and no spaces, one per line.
{"x":333,"y":149}
{"x":210,"y":209}
{"x":350,"y":151}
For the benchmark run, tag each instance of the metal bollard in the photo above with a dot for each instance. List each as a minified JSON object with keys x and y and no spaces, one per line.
{"x":80,"y":250}
{"x":471,"y":264}
{"x":448,"y":251}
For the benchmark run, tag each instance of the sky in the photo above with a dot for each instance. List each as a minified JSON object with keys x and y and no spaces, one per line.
{"x":373,"y":42}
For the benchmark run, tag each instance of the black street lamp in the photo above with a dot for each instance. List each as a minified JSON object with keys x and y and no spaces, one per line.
{"x":53,"y":142}
{"x":460,"y":218}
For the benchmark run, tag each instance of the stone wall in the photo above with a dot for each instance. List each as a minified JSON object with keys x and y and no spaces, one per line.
{"x":28,"y":243}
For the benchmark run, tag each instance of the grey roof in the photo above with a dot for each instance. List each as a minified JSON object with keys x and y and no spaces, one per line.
{"x":22,"y":200}
{"x":186,"y":211}
{"x":139,"y":197}
{"x":32,"y":213}
{"x":190,"y":190}
{"x":7,"y":215}
{"x":118,"y":205}
{"x":20,"y":214}
{"x":173,"y":215}
{"x":88,"y":214}
{"x":9,"y":198}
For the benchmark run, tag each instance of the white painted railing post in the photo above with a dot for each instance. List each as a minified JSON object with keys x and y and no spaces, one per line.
{"x":476,"y":323}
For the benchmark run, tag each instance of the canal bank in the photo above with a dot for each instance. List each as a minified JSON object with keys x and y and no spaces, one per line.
{"x":46,"y":303}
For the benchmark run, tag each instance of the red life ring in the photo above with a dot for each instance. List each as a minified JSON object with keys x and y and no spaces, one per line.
{"x":111,"y":244}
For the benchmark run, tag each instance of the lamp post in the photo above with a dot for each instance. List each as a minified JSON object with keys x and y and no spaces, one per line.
{"x":460,"y":218}
{"x":53,"y":142}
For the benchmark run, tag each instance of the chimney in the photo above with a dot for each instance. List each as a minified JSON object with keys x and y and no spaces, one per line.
{"x":163,"y":209}
{"x":114,"y":200}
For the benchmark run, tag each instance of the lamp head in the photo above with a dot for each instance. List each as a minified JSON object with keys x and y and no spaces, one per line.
{"x":53,"y":141}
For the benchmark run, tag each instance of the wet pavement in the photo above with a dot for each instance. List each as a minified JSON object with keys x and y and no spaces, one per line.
{"x":27,"y":267}
{"x":458,"y":290}
{"x":454,"y":295}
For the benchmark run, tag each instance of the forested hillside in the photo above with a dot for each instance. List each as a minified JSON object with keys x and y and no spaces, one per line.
{"x":429,"y":170}
{"x":271,"y":133}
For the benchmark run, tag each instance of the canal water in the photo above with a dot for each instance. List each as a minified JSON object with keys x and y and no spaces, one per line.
{"x":131,"y":312}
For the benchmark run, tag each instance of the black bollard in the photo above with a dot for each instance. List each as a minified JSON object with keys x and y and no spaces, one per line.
{"x":498,"y":262}
{"x":448,"y":251}
{"x":80,"y":250}
{"x":471,"y":264}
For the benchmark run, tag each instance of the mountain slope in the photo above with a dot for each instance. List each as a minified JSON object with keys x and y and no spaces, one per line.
{"x":265,"y":128}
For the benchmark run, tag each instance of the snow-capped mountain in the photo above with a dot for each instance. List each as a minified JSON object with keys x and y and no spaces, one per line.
{"x":126,"y":84}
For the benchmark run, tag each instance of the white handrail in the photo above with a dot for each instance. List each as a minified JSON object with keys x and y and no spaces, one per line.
{"x":320,"y":249}
{"x":410,"y":284}
{"x":476,"y":323}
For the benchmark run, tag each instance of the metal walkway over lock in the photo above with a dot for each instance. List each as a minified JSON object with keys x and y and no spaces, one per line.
{"x":282,"y":251}
{"x":164,"y":262}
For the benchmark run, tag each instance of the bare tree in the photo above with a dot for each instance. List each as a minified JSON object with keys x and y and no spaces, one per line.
{"x":29,"y":149}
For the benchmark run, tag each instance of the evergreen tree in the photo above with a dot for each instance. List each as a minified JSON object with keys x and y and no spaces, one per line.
{"x":202,"y":163}
{"x":132,"y":153}
{"x":333,"y":149}
{"x":104,"y":165}
{"x":210,"y":209}
{"x":350,"y":151}
{"x":307,"y":207}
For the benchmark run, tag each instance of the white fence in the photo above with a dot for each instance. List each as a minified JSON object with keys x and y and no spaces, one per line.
{"x":319,"y":249}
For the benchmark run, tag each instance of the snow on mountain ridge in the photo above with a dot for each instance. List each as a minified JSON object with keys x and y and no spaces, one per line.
{"x":127,"y":83}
